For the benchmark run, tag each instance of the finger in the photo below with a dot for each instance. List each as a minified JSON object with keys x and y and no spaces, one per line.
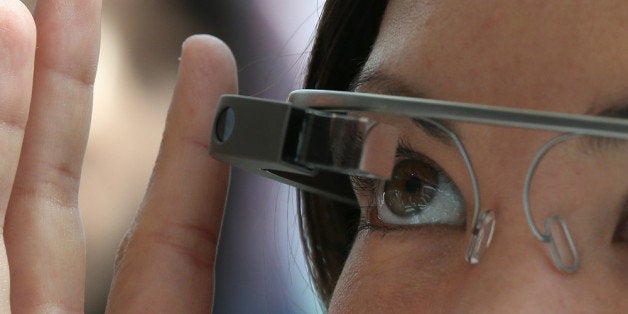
{"x":167,"y":262}
{"x":17,"y":51}
{"x":43,"y":233}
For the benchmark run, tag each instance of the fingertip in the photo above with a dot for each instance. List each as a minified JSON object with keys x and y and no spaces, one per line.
{"x":68,"y":37}
{"x":18,"y":35}
{"x":209,"y":59}
{"x":205,"y":43}
{"x":17,"y":54}
{"x":17,"y":14}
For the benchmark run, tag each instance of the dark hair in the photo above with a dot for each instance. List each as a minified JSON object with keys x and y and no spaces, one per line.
{"x":346,"y":33}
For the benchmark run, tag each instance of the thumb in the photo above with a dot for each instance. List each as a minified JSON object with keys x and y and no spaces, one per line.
{"x":166,"y":262}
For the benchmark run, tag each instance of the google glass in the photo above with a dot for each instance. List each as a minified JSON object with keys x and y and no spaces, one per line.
{"x":318,"y":139}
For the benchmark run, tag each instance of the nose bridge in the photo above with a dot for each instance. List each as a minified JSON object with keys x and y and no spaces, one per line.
{"x":516,"y":264}
{"x":514,"y":274}
{"x":501,"y":161}
{"x":501,"y":156}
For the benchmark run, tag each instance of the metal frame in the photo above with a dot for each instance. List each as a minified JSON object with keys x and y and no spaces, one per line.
{"x":438,"y":109}
{"x":571,"y":125}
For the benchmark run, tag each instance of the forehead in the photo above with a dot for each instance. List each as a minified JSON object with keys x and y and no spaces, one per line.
{"x":554,"y":55}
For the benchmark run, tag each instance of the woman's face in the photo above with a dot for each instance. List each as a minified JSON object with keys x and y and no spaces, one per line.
{"x":563,"y":56}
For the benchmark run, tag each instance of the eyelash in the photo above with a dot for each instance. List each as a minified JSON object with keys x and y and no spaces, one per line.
{"x":365,"y":224}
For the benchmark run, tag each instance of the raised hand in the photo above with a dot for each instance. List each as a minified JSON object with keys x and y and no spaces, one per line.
{"x":47,"y":69}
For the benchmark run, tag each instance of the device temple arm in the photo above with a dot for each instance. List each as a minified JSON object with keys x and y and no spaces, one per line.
{"x":310,"y":149}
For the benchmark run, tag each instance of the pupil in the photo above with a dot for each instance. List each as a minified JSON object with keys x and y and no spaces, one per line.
{"x":413,"y":185}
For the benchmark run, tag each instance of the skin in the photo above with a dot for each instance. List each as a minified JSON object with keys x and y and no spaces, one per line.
{"x":47,"y":71}
{"x":562,"y":56}
{"x":516,"y":54}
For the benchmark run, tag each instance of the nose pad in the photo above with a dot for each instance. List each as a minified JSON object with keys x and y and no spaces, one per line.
{"x":561,"y":244}
{"x":481,"y":236}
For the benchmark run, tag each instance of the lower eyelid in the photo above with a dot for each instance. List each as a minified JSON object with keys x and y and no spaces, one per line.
{"x":412,"y":231}
{"x":385,"y":228}
{"x":365,"y":226}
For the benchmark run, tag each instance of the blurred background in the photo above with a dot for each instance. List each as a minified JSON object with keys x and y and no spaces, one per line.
{"x":260,"y":267}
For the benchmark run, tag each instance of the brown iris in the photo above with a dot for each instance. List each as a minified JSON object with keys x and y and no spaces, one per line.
{"x":412,"y":187}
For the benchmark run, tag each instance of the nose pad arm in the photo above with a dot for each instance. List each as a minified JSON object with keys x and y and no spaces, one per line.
{"x":556,"y":232}
{"x":561,"y":244}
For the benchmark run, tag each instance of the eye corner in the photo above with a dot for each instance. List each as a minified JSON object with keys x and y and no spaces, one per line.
{"x":363,"y":185}
{"x":621,"y":230}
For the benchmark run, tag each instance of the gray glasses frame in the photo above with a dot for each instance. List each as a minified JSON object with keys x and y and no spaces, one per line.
{"x":571,"y":125}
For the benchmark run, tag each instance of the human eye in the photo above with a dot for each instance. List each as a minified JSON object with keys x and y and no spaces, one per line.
{"x":418,"y":193}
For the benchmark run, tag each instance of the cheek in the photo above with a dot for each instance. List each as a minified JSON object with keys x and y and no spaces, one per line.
{"x":400,"y":271}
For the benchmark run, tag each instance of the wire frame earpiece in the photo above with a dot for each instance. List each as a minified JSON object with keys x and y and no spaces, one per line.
{"x":548,"y":236}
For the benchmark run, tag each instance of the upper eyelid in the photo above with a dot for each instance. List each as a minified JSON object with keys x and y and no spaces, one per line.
{"x":405,"y":150}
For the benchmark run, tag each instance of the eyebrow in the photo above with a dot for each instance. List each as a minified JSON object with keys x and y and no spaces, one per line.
{"x":384,"y":84}
{"x":380,"y":82}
